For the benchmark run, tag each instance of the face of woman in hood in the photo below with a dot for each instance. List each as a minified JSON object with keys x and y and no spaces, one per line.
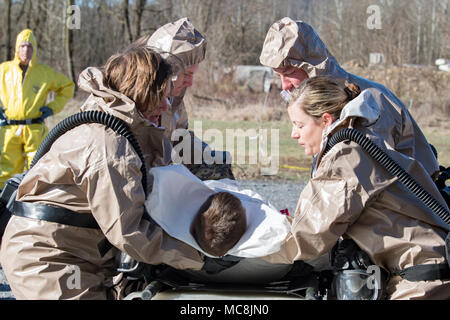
{"x":189,"y":75}
{"x":184,"y":79}
{"x":153,"y":115}
{"x":177,"y":84}
{"x":306,"y":129}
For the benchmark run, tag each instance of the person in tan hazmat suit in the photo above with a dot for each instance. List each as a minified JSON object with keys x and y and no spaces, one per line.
{"x":182,"y":40}
{"x":295,"y":52}
{"x":352,"y":196}
{"x":94,"y":173}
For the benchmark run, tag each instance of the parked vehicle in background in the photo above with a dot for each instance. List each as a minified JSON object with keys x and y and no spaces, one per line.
{"x":443,"y":64}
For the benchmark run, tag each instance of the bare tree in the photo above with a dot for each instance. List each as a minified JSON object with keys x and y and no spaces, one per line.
{"x":8,"y":30}
{"x":68,"y":43}
{"x":433,"y":32}
{"x":419,"y":29}
{"x":412,"y":32}
{"x":125,"y":10}
{"x":339,"y":13}
{"x":138,"y":12}
{"x":29,"y":11}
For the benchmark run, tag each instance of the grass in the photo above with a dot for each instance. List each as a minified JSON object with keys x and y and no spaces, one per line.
{"x":293,"y":163}
{"x":440,"y":139}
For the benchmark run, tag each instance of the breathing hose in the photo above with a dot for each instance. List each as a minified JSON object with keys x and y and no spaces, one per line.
{"x":116,"y":124}
{"x":391,"y":166}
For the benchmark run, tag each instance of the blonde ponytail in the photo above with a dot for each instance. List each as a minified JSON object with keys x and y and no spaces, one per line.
{"x":319,"y":95}
{"x":352,"y":90}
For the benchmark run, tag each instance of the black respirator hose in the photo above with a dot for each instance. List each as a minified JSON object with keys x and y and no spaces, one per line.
{"x":391,"y":166}
{"x":77,"y":119}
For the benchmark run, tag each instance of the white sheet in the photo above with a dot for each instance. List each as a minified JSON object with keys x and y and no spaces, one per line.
{"x":177,"y":195}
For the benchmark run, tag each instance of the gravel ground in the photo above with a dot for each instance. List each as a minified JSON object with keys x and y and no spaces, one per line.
{"x":5,"y":291}
{"x":282,"y":194}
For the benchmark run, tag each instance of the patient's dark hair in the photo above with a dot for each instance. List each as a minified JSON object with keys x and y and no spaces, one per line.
{"x":220,"y":223}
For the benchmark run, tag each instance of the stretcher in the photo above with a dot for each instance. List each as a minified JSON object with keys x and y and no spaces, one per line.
{"x":298,"y":281}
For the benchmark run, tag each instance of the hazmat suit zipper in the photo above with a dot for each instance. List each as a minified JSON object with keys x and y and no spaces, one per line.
{"x":19,"y":104}
{"x":24,"y":72}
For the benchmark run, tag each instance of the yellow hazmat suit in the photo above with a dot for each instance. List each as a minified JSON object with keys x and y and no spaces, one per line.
{"x":22,"y":95}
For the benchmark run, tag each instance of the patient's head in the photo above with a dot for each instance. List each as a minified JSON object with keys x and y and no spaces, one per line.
{"x":220,"y":223}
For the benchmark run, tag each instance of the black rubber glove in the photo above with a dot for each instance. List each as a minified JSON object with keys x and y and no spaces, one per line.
{"x":46,"y":112}
{"x":216,"y":265}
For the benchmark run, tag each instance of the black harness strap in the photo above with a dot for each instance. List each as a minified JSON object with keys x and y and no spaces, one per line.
{"x":25,"y":121}
{"x":426,"y":272}
{"x":16,"y":122}
{"x":54,"y":214}
{"x":62,"y":216}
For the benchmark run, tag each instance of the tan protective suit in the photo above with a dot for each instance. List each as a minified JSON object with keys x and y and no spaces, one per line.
{"x":295,"y":43}
{"x":181,"y":39}
{"x":351,"y":195}
{"x":90,"y":170}
{"x":185,"y":42}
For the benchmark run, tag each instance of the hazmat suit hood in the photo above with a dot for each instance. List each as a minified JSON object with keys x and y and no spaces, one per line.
{"x":119,"y":105}
{"x":113,"y":102}
{"x":297,"y":44}
{"x":364,"y":107}
{"x":181,"y":39}
{"x":26,"y":36}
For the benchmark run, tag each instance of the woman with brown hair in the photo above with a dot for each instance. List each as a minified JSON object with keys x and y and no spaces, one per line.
{"x":94,"y":174}
{"x":352,"y":197}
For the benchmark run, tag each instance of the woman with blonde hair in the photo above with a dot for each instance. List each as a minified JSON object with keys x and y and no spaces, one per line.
{"x":352,"y":202}
{"x":93,"y":174}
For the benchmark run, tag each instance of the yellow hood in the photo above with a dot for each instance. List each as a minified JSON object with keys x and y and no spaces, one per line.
{"x":26,"y":35}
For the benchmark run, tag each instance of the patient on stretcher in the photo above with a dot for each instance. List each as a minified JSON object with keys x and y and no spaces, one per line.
{"x":258,"y":230}
{"x":175,"y":202}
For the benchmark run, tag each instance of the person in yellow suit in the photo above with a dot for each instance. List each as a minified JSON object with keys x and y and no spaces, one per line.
{"x":24,"y":86}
